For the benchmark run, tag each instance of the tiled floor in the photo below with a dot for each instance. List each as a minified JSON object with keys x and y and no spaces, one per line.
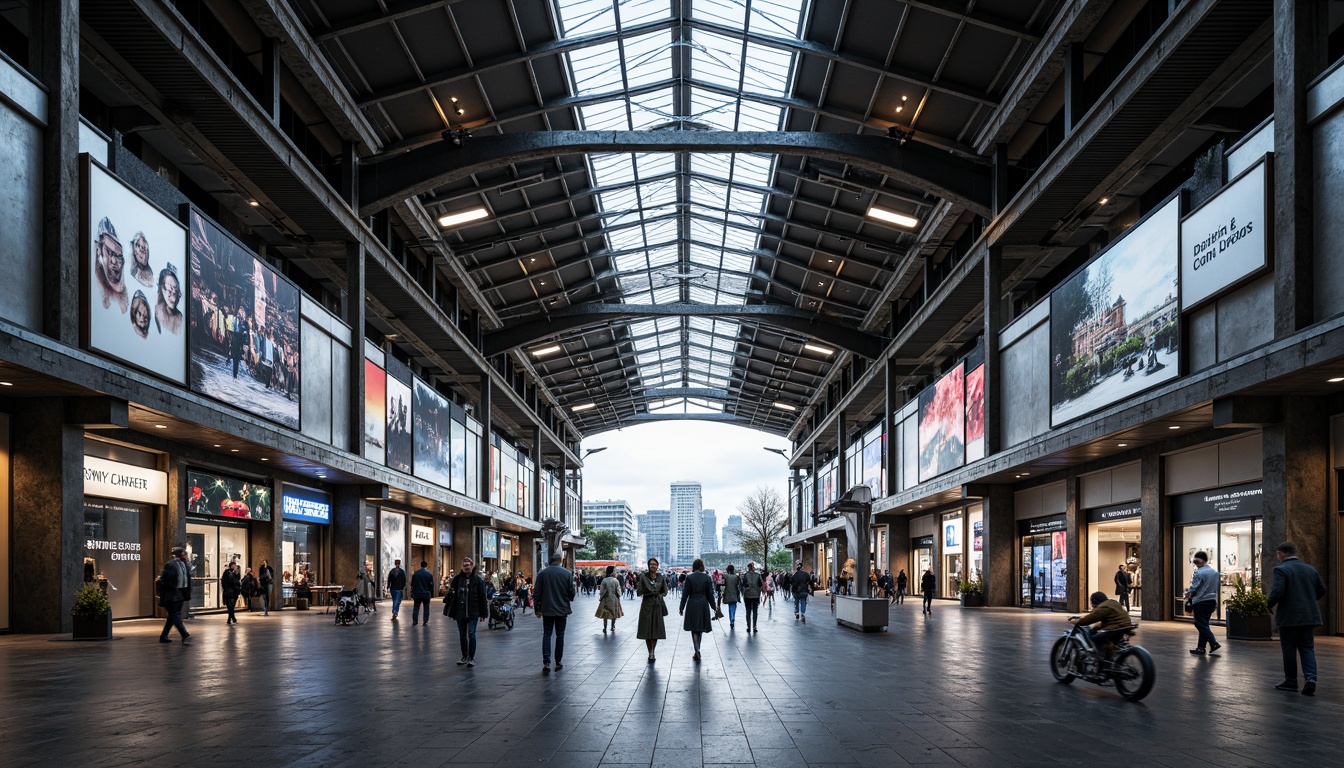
{"x":966,"y":687}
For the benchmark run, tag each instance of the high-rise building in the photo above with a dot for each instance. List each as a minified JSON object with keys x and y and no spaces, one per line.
{"x":615,"y":516}
{"x":709,"y":531}
{"x":686,"y":525}
{"x":732,"y":534}
{"x":655,"y":525}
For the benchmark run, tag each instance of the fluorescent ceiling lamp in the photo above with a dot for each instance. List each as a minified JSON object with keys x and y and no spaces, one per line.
{"x":893,"y":217}
{"x":784,"y":407}
{"x":819,"y":350}
{"x":462,"y":217}
{"x":546,"y":350}
{"x":584,"y":407}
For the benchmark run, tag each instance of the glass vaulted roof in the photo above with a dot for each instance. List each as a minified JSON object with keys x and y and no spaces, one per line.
{"x":682,"y":227}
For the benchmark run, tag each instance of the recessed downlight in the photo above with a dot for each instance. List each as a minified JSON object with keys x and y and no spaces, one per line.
{"x":546,"y":351}
{"x":1335,"y":380}
{"x":819,"y":349}
{"x":462,"y":217}
{"x":784,"y":406}
{"x":1122,"y":445}
{"x":160,"y":426}
{"x":233,"y":450}
{"x":6,"y":383}
{"x":1174,"y":426}
{"x":893,"y":217}
{"x":263,"y":458}
{"x":584,"y":407}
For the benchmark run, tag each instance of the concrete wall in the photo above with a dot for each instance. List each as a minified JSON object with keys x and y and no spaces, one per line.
{"x":1232,"y":324}
{"x":1239,"y":460}
{"x":1111,"y":486}
{"x":1328,"y":146}
{"x":1041,"y":501}
{"x":21,"y":198}
{"x":325,"y":414}
{"x":1025,"y":390}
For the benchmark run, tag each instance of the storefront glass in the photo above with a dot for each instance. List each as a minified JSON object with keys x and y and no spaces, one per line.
{"x":1114,"y":543}
{"x":119,"y":545}
{"x":210,"y":547}
{"x":392,"y":544}
{"x":299,"y":550}
{"x":953,"y":547}
{"x":976,"y":523}
{"x":1044,"y":564}
{"x":921,"y":559}
{"x":1233,"y":548}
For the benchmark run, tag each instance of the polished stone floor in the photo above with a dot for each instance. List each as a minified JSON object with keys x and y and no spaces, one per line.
{"x":965,"y":687}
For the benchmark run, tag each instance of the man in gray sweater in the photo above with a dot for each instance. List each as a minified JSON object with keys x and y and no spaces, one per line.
{"x":1203,"y":598}
{"x":1293,"y":598}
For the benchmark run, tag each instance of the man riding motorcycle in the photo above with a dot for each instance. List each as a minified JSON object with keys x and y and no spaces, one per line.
{"x":1114,"y":620}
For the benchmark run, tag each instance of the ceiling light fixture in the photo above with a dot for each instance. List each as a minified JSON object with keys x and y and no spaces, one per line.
{"x":819,"y":350}
{"x":233,"y":450}
{"x":263,"y":458}
{"x":1174,"y":426}
{"x":1335,"y":380}
{"x":546,"y":351}
{"x":216,"y":445}
{"x":462,"y":217}
{"x":6,"y":383}
{"x":1122,"y":445}
{"x":1103,"y":201}
{"x":893,"y":217}
{"x":254,"y":203}
{"x":785,"y":406}
{"x":584,"y":407}
{"x":160,"y":426}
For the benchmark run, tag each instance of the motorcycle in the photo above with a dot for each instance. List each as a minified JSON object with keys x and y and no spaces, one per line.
{"x":1129,"y":667}
{"x":501,"y":610}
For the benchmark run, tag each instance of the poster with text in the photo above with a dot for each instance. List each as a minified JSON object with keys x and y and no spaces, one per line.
{"x":942,"y":425}
{"x":400,"y":446}
{"x":210,"y":495}
{"x":136,"y":276}
{"x":375,"y":412}
{"x":244,"y":327}
{"x":975,"y":414}
{"x":392,"y":527}
{"x":433,"y":419}
{"x":1114,"y":325}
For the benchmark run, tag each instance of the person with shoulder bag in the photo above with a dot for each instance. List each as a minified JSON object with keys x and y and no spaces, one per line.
{"x":466,"y":602}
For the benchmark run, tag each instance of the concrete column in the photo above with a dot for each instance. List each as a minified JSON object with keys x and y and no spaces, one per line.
{"x":1158,"y":587}
{"x":993,"y":289}
{"x":1297,"y":487}
{"x":172,"y":526}
{"x":347,"y":535}
{"x":898,"y":546}
{"x":1000,"y":582}
{"x":1076,"y":545}
{"x":266,"y":540}
{"x":47,"y":513}
{"x":535,"y":501}
{"x":1073,"y":86}
{"x":353,"y":315}
{"x":564,"y":491}
{"x":841,"y":468}
{"x":487,"y":469}
{"x":54,"y":41}
{"x":1299,"y":56}
{"x":841,"y":553}
{"x":270,"y":78}
{"x":891,"y":397}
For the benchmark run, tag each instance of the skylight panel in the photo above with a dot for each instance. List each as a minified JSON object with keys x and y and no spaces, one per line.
{"x":728,"y":14}
{"x":648,"y":58}
{"x":752,"y":169}
{"x":596,"y":69}
{"x":669,"y":295}
{"x":586,"y":17}
{"x":635,"y":12}
{"x":605,"y":116}
{"x":767,"y":69}
{"x":716,"y":59}
{"x":757,"y":116}
{"x":651,"y":109}
{"x":775,"y":17}
{"x":612,"y":168}
{"x":651,"y":164}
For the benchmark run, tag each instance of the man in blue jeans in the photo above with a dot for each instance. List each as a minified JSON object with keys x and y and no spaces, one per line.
{"x":422,"y":591}
{"x":1203,"y":597}
{"x":801,"y":586}
{"x":396,"y":584}
{"x":551,"y":601}
{"x":1297,"y":588}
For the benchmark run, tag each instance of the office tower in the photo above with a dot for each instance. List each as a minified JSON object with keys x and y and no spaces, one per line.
{"x":686,"y":523}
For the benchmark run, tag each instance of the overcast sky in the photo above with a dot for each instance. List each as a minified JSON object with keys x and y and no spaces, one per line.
{"x":642,"y":461}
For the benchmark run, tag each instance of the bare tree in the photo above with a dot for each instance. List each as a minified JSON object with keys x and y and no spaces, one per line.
{"x":763,"y":523}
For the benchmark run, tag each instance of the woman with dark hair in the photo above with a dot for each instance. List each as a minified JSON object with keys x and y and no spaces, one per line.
{"x":140,"y":314}
{"x":698,"y":594}
{"x":167,"y":317}
{"x":651,"y":586}
{"x":609,"y":600}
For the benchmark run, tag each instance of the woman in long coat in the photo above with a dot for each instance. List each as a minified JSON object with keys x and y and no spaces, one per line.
{"x":652,"y":587}
{"x":609,"y":600}
{"x":697,"y":594}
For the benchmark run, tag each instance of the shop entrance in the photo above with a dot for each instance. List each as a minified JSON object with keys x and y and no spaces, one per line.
{"x":953,"y":558}
{"x":1233,"y":548}
{"x":921,"y":559}
{"x":1044,"y":570}
{"x":210,"y":548}
{"x":1114,"y":548}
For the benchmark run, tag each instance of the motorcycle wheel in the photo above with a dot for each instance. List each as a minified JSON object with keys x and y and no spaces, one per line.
{"x":1135,"y":673}
{"x":1061,"y":660}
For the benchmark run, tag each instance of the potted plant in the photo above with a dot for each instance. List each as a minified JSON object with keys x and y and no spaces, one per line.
{"x":972,"y":596}
{"x":92,"y":614}
{"x":1247,"y":612}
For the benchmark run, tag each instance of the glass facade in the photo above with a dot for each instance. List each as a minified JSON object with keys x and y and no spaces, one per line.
{"x":1045,"y":564}
{"x":210,"y":547}
{"x":1233,"y":547}
{"x":119,"y":547}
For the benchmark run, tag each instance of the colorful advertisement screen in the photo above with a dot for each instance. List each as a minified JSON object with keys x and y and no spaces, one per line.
{"x":1114,"y":325}
{"x":942,"y":425}
{"x":975,"y":414}
{"x":433,"y":425}
{"x":136,"y":276}
{"x":211,"y":495}
{"x":375,"y":412}
{"x":244,"y":327}
{"x":400,"y":446}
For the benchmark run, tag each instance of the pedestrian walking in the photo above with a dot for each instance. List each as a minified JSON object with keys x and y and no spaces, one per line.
{"x":1202,"y":599}
{"x":651,"y":586}
{"x":524,"y":592}
{"x":902,"y":583}
{"x":1293,"y":598}
{"x":396,"y":585}
{"x":1123,"y":582}
{"x":609,"y":600}
{"x":801,"y":585}
{"x":422,"y":591}
{"x":927,"y":585}
{"x":697,"y":595}
{"x":231,"y":586}
{"x":465,"y":603}
{"x":265,"y":578}
{"x":751,"y":586}
{"x":555,"y":593}
{"x":768,"y":588}
{"x":730,"y":594}
{"x":250,"y":587}
{"x":174,"y":591}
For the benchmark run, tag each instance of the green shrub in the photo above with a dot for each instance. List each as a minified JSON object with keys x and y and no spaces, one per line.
{"x":1247,"y":601}
{"x":91,"y":601}
{"x":970,"y":587}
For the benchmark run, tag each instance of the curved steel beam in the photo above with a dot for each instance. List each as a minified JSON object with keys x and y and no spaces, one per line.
{"x":956,"y":179}
{"x":799,"y":321}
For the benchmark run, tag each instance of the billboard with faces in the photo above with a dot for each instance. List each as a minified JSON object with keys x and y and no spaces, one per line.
{"x":136,"y":278}
{"x":244,"y":327}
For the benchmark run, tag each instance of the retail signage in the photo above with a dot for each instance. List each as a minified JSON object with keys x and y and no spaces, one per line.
{"x":1226,"y":240}
{"x":489,"y":543}
{"x":114,"y":480}
{"x":445,"y":535}
{"x":1043,"y":525}
{"x":221,"y":496}
{"x":921,"y":543}
{"x":1234,"y":501}
{"x":305,"y":504}
{"x":422,"y":536}
{"x":1118,"y":512}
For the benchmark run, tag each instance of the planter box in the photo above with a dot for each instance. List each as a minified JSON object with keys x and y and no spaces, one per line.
{"x":973,"y":600}
{"x":93,"y":627}
{"x":866,"y":614}
{"x":1241,"y":627}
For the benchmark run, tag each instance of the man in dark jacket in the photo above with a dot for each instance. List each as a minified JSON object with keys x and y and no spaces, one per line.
{"x":422,"y":591}
{"x":1297,"y":587}
{"x":1123,"y":582}
{"x":801,"y":586}
{"x":466,"y":602}
{"x":231,"y":585}
{"x":396,"y":584}
{"x":554,"y":593}
{"x":174,"y":590}
{"x":928,"y":584}
{"x":752,"y":583}
{"x":265,"y":578}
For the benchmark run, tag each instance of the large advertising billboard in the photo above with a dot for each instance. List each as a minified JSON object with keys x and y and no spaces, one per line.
{"x":400,"y":446}
{"x":136,"y":277}
{"x":375,"y":412}
{"x":210,"y":495}
{"x":975,"y":414}
{"x":1114,"y":325}
{"x":433,"y":425}
{"x":1226,"y":239}
{"x":942,"y":424}
{"x":244,"y":327}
